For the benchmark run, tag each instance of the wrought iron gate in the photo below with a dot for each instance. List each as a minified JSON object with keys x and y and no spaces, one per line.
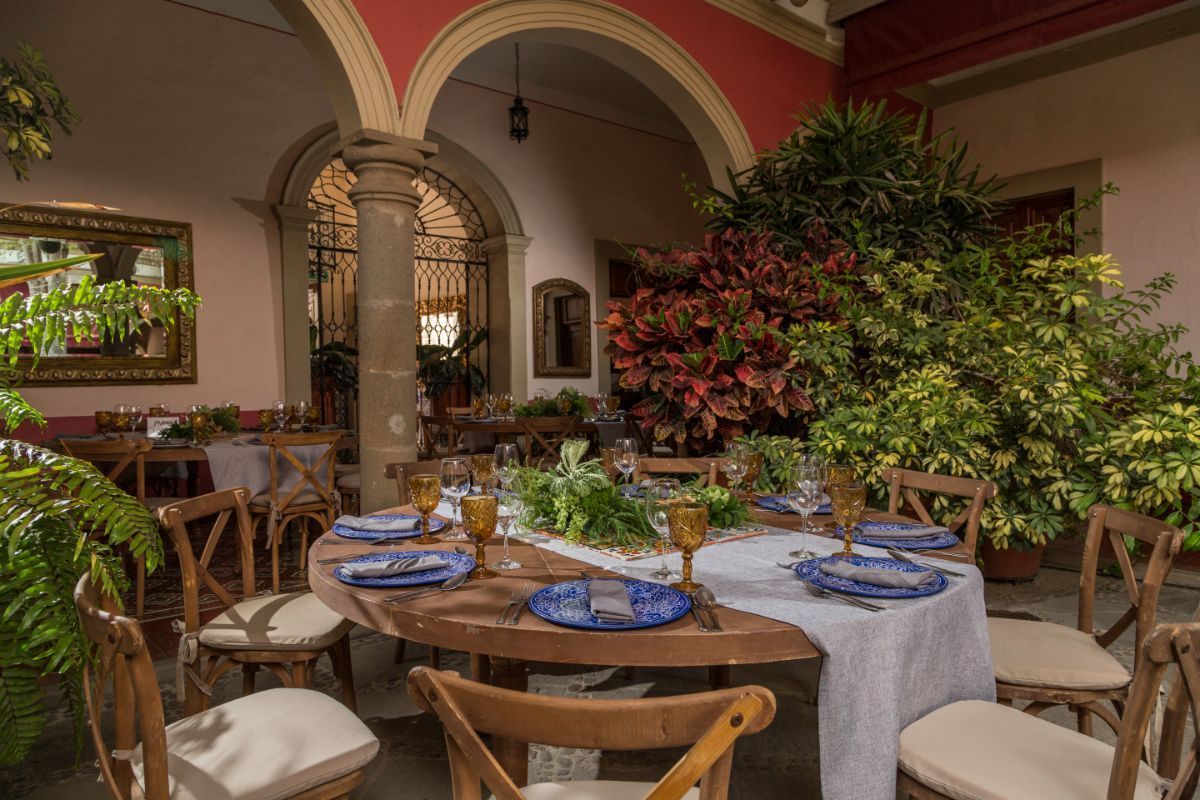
{"x":451,"y":275}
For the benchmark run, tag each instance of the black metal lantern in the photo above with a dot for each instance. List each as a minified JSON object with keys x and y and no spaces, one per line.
{"x":518,"y":114}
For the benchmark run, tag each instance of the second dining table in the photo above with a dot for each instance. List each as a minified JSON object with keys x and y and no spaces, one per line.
{"x":879,"y":672}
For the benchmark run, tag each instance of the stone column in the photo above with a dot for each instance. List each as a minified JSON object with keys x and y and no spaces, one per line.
{"x":293,"y":249}
{"x":386,"y":202}
{"x":508,"y":316}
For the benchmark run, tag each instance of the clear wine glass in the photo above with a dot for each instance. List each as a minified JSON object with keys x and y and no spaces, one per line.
{"x":507,"y":512}
{"x":493,"y":403}
{"x":507,"y":461}
{"x":456,"y":484}
{"x":627,"y":457}
{"x":280,"y":407}
{"x":734,"y":463}
{"x":135,"y":416}
{"x":804,"y":497}
{"x":659,"y":496}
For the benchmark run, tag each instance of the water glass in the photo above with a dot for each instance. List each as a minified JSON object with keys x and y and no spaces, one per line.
{"x":507,"y":462}
{"x":849,"y":501}
{"x":804,"y":497}
{"x":479,"y":518}
{"x":627,"y":457}
{"x":456,"y":484}
{"x":508,"y":511}
{"x":735,"y":464}
{"x":660,"y":495}
{"x":483,"y":466}
{"x":424,"y":491}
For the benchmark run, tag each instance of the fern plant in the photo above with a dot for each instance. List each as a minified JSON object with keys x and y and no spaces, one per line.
{"x":60,"y":516}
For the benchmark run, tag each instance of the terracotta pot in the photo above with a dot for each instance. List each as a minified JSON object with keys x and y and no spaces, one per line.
{"x":1011,"y":564}
{"x":458,"y":395}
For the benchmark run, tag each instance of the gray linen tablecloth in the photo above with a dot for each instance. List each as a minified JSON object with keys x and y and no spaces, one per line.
{"x":245,"y":464}
{"x":881,"y":671}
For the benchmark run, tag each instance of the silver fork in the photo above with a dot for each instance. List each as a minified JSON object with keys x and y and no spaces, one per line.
{"x":526,"y":593}
{"x":339,"y":559}
{"x":817,"y":591}
{"x":512,"y":601}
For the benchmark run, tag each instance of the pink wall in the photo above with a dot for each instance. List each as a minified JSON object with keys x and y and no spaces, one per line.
{"x":765,"y":79}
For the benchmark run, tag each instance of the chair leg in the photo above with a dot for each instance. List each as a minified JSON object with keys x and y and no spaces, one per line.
{"x":301,"y":675}
{"x":304,"y":542}
{"x":249,"y":672}
{"x":274,"y":562}
{"x":1083,"y":720}
{"x":399,"y":656}
{"x":718,"y":676}
{"x":140,"y":603}
{"x":435,"y":657}
{"x":343,"y":667}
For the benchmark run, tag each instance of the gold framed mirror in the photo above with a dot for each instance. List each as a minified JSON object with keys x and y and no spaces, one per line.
{"x":562,"y":330}
{"x":146,"y":251}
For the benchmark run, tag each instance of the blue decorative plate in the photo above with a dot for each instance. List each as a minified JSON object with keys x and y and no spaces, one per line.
{"x":567,"y":604}
{"x":811,"y":571}
{"x":937,"y":541}
{"x":435,"y":525}
{"x":458,"y":563}
{"x":777,"y":502}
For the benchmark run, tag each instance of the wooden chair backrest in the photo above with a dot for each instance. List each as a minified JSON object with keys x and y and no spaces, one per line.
{"x":1113,"y":524}
{"x":317,"y":478}
{"x":401,"y":471}
{"x":907,"y":484}
{"x":1166,"y":646}
{"x":709,"y":722}
{"x":433,"y":426}
{"x":222,"y":507}
{"x":546,"y":434}
{"x":706,"y":469}
{"x":120,"y":453}
{"x":122,"y":657}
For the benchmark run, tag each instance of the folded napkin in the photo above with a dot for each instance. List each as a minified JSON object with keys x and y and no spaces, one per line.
{"x":610,"y":601}
{"x":907,"y":532}
{"x":889,"y":578}
{"x":395,"y":566}
{"x":378,"y":524}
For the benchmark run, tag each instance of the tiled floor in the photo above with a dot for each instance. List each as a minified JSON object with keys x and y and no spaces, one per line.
{"x":779,"y":763}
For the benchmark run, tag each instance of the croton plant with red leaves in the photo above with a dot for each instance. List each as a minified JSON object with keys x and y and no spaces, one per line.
{"x":700,"y":338}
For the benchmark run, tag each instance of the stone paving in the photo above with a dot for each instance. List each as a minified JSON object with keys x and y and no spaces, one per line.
{"x":781,"y":762}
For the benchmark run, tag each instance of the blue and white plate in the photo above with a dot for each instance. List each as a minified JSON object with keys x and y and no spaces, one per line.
{"x":777,"y":502}
{"x":567,"y":604}
{"x":458,"y":563}
{"x":937,"y":541}
{"x":811,"y":571}
{"x":435,"y":525}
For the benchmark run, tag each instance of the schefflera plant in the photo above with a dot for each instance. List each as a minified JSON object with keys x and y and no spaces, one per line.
{"x":702,"y":336}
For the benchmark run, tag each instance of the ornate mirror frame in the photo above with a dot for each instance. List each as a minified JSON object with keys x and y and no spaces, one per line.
{"x":178,"y":365}
{"x":540,"y":368}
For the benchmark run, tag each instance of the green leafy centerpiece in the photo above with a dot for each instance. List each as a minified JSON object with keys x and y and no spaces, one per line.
{"x":571,"y":398}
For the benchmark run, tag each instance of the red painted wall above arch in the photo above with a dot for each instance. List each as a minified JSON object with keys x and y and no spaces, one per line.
{"x":766,"y":79}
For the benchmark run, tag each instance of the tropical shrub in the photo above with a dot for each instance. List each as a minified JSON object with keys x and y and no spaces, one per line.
{"x":701,"y":338}
{"x":780,"y":455}
{"x":30,"y":101}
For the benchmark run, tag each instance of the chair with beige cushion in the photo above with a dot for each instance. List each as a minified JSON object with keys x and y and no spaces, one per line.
{"x":1048,"y":664}
{"x":709,"y":723}
{"x":282,"y":744}
{"x":904,"y":492}
{"x":298,"y":492}
{"x":285,"y":633}
{"x":973,"y":750}
{"x":348,"y":480}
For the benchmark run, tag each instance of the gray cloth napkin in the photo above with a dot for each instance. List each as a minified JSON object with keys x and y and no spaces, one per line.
{"x":890,"y":578}
{"x":378,"y":525}
{"x":915,"y":532}
{"x":610,"y":601}
{"x":395,"y":566}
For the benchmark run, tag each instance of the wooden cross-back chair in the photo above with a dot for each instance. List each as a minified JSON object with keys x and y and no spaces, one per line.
{"x":709,"y":722}
{"x":114,"y":457}
{"x":311,"y":497}
{"x":285,"y":633}
{"x":905,"y":487}
{"x":236,"y":749}
{"x":1048,"y":665}
{"x":436,"y":429}
{"x":977,"y":749}
{"x":544,"y":437}
{"x":707,"y":470}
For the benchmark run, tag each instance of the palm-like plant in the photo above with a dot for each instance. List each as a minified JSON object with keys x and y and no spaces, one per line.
{"x":59,"y":516}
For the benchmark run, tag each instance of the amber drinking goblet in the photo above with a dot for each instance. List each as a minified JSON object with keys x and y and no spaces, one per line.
{"x":849,"y":502}
{"x":479,"y":408}
{"x":608,"y":460}
{"x":565,"y":404}
{"x":754,"y":465}
{"x":312,"y":417}
{"x":424,"y":491}
{"x":838,"y":473}
{"x":199,"y":423}
{"x":266,"y":418}
{"x":687,"y":523}
{"x":103,"y":421}
{"x":479,"y":520}
{"x":483,"y":467}
{"x":612,"y":405}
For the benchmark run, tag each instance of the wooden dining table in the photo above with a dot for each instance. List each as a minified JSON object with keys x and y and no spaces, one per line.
{"x":465,"y":620}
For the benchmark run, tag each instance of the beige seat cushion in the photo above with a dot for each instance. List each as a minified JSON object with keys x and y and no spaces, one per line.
{"x":268,"y":745}
{"x":352,"y":482}
{"x":1030,"y":653}
{"x":345,"y":469}
{"x":263,"y":501}
{"x":594,"y":790}
{"x":973,"y":750}
{"x":296,"y":621}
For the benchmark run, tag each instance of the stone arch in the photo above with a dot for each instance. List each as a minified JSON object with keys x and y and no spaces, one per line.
{"x":605,"y":30}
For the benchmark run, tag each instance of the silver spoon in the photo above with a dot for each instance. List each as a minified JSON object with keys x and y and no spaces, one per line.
{"x":708,"y":601}
{"x":900,"y":555}
{"x":451,"y":583}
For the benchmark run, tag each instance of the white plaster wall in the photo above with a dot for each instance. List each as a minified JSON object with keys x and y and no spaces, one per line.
{"x":1140,"y":115}
{"x":185,"y":116}
{"x":575,"y":180}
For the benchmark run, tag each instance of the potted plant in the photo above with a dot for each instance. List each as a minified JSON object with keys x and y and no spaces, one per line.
{"x":334,"y":372}
{"x":446,"y":373}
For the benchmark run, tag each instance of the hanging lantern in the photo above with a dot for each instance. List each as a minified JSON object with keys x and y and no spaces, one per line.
{"x":518,"y":114}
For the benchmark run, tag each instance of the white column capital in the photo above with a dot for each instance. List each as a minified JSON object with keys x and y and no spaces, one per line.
{"x":293,"y":217}
{"x":508,"y":243}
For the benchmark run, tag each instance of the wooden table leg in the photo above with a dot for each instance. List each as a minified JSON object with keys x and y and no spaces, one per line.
{"x":481,"y":668}
{"x":513,"y":756}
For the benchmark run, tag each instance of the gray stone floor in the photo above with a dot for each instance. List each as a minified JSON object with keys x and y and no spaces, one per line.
{"x":781,"y":762}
